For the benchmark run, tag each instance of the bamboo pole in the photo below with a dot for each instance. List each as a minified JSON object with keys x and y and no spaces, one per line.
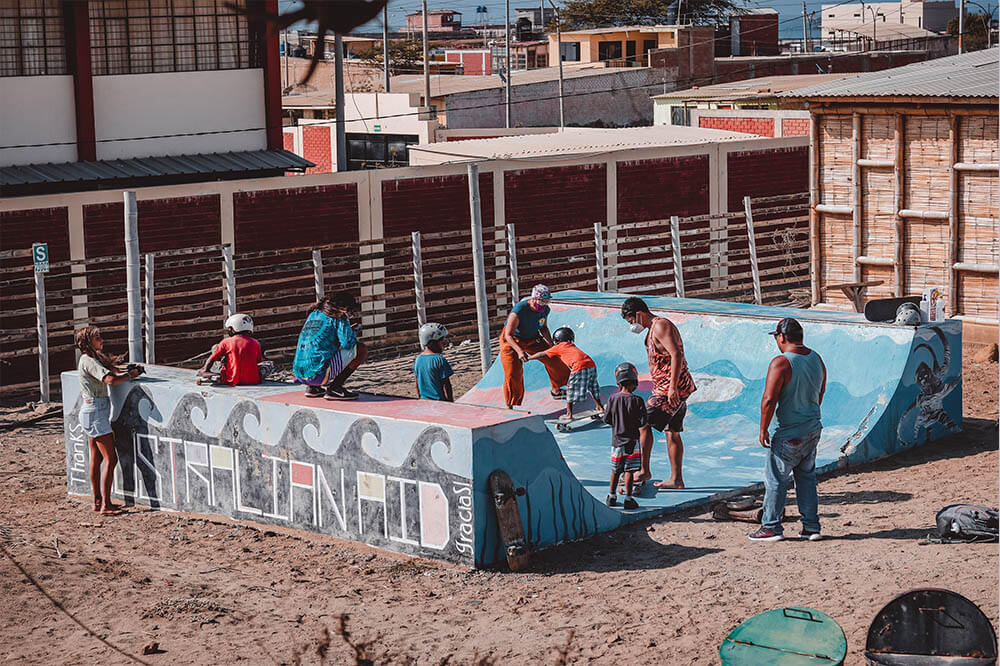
{"x":43,"y":337}
{"x":856,"y":192}
{"x":599,"y":255}
{"x":953,"y":212}
{"x":675,"y":242}
{"x":317,"y":261}
{"x":512,"y":258}
{"x":752,"y":240}
{"x":814,"y":193}
{"x":418,"y":278}
{"x":229,"y":281}
{"x":899,"y":200}
{"x":150,"y":309}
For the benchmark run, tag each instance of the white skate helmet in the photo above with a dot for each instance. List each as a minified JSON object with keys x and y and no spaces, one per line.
{"x":907,"y":314}
{"x":240,"y":323}
{"x":431,"y":331}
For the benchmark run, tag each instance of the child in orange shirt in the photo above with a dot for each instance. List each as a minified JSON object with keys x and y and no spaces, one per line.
{"x":582,"y":369}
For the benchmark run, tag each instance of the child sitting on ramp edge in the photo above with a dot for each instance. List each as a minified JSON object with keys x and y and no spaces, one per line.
{"x":238,"y":358}
{"x":431,"y":368}
{"x":626,"y":413}
{"x":582,"y":371}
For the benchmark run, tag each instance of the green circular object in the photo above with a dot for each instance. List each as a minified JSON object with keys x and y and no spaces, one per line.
{"x":797,"y":636}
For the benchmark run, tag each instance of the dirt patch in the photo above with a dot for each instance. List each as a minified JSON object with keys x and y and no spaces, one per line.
{"x":208,"y":591}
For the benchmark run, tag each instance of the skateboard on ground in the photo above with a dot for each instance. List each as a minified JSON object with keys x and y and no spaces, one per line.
{"x":884,"y":309}
{"x":565,"y":425}
{"x":788,"y":636}
{"x":504,"y":496}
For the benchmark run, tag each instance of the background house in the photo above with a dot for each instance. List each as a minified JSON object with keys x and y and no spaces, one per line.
{"x":439,"y":22}
{"x":904,"y":183}
{"x":930,"y":15}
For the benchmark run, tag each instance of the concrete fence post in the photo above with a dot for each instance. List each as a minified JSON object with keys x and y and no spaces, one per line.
{"x":479,"y":268}
{"x":418,"y":279}
{"x":752,"y":240}
{"x":134,"y":297}
{"x":675,"y":243}
{"x":599,"y":255}
{"x":317,"y":258}
{"x":150,"y":309}
{"x":43,"y":337}
{"x":229,"y":283}
{"x":512,"y":258}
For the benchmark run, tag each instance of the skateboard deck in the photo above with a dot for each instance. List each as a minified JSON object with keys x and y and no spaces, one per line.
{"x":565,"y":425}
{"x":508,"y":514}
{"x":787,"y":637}
{"x":884,"y":309}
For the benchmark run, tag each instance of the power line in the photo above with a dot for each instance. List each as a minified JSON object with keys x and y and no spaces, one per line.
{"x":689,"y":81}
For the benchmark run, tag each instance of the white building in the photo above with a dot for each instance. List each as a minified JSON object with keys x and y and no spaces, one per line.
{"x":96,"y":82}
{"x":932,"y":16}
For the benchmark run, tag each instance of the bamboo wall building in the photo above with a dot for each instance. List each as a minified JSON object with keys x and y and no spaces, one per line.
{"x":904,"y":183}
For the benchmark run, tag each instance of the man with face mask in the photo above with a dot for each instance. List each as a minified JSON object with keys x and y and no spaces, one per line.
{"x":525,"y":333}
{"x":672,"y":384}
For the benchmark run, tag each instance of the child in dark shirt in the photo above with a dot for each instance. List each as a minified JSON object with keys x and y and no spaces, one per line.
{"x":626,"y":414}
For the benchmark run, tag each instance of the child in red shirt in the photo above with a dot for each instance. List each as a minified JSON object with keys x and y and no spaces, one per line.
{"x":582,"y":371}
{"x":239,"y":354}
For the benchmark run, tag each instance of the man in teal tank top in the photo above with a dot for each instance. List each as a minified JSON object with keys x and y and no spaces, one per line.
{"x":793,"y":391}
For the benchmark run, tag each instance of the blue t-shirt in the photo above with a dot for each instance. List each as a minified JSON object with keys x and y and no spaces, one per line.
{"x":431,"y":370}
{"x":529,"y":322}
{"x":321,"y":337}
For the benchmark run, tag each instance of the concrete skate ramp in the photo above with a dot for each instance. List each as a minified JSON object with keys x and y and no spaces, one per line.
{"x":411,"y":475}
{"x":888,"y":388}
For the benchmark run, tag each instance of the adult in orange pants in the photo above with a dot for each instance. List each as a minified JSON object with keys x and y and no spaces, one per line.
{"x":526,"y":332}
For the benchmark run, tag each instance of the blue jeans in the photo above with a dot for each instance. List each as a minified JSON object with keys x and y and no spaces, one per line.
{"x":785,"y":459}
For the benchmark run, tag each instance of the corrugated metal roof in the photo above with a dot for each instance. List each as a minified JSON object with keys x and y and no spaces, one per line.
{"x":766,"y":86}
{"x":152,"y":167}
{"x":972,"y":75}
{"x":570,"y":141}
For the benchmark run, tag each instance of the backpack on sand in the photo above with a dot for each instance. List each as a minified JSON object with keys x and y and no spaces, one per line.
{"x":967,"y":523}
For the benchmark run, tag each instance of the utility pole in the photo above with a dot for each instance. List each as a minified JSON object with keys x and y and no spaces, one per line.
{"x":562,"y":95}
{"x":284,"y":38}
{"x":385,"y":44}
{"x":805,"y":30}
{"x":338,"y":69}
{"x":427,"y":62}
{"x":507,"y":57}
{"x":961,"y":25}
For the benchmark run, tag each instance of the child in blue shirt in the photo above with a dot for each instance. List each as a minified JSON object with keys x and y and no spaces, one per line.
{"x":431,"y":368}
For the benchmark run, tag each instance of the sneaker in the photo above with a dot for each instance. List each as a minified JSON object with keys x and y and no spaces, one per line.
{"x":765,"y":534}
{"x":810,"y":536}
{"x":611,"y":501}
{"x":630,"y":503}
{"x":558,"y":395}
{"x":340,"y":393}
{"x":315,"y":392}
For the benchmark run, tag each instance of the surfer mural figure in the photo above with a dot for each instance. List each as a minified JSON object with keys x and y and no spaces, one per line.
{"x":929,"y":402}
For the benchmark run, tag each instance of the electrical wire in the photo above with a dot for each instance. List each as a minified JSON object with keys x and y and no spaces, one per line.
{"x":688,"y":82}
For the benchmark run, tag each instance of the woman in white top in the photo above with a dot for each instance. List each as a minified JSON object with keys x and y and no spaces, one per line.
{"x":97,"y":372}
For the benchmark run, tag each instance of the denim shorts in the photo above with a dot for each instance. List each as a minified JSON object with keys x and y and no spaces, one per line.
{"x":95,"y":416}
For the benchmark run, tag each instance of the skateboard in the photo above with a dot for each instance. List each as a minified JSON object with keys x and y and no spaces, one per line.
{"x":884,"y":309}
{"x":931,"y":627}
{"x":505,"y":496}
{"x":786,"y":636}
{"x":566,"y":425}
{"x":207,"y":378}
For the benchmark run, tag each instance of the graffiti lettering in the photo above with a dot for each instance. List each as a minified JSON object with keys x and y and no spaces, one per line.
{"x":464,"y":540}
{"x":78,"y":461}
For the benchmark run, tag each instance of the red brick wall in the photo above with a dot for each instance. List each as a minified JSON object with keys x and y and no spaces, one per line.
{"x":656,"y":190}
{"x":18,"y":230}
{"x":758,"y":34}
{"x":794,"y":126}
{"x":316,"y":147}
{"x":288,"y":141}
{"x":766,"y":173}
{"x":556,"y":198}
{"x":433,"y":205}
{"x":758,"y":126}
{"x":291,"y":218}
{"x":164,"y":224}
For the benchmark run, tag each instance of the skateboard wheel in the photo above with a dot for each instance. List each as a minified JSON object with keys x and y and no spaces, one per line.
{"x":562,"y":428}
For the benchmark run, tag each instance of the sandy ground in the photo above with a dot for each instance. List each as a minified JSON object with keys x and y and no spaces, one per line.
{"x":79,"y":588}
